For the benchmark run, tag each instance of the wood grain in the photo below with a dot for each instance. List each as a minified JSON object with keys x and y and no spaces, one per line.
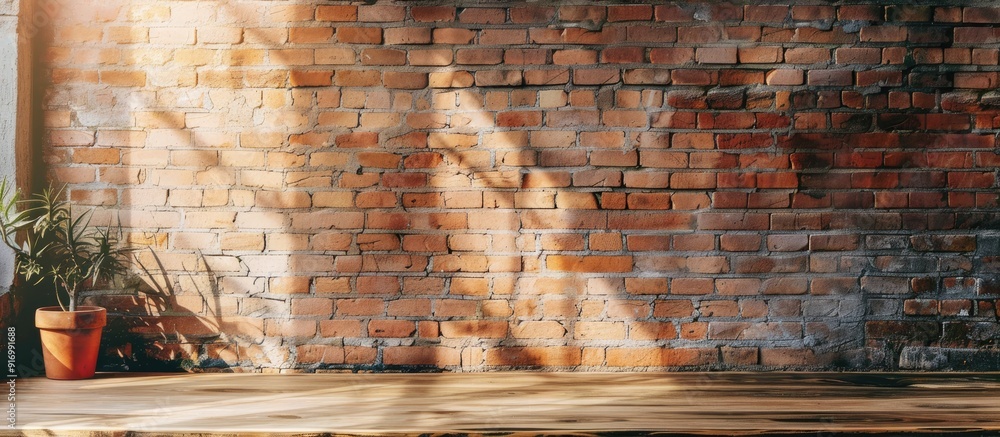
{"x":519,"y":403}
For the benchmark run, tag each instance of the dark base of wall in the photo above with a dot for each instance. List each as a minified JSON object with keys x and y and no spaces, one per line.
{"x":879,"y":359}
{"x":930,"y":358}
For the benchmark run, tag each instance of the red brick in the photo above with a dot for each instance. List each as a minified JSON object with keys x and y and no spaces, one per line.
{"x":674,"y":13}
{"x":880,"y":78}
{"x":861,"y":12}
{"x":651,"y":34}
{"x":359,"y":35}
{"x":475,"y":329}
{"x":538,"y":329}
{"x":383,"y":57}
{"x":551,"y":356}
{"x":607,"y":36}
{"x":830,"y":77}
{"x":453,"y":36}
{"x":546,"y":77}
{"x":687,"y":181}
{"x":589,"y":263}
{"x":765,"y":13}
{"x":405,"y":80}
{"x":416,"y":35}
{"x":883,"y":34}
{"x":693,"y":77}
{"x":760,"y":55}
{"x":704,"y":34}
{"x":976,"y":80}
{"x":726,"y":221}
{"x":954,"y":307}
{"x":920,"y":307}
{"x":787,"y":357}
{"x":300,"y":78}
{"x":856,"y":55}
{"x":532,"y":14}
{"x":649,"y":201}
{"x":483,"y":15}
{"x":785,"y":77}
{"x":789,"y":285}
{"x":391,"y":328}
{"x":716,"y":55}
{"x":503,"y":37}
{"x":948,"y":14}
{"x":432,"y":13}
{"x":499,"y":78}
{"x":630,"y":13}
{"x":691,"y":286}
{"x":600,"y":76}
{"x":971,"y":180}
{"x":807,"y":55}
{"x":336,"y":13}
{"x":672,"y":55}
{"x":660,"y":357}
{"x":359,"y":307}
{"x":981,"y":15}
{"x":437,"y":356}
{"x":813,"y":13}
{"x":599,"y":331}
{"x":526,"y":56}
{"x":976,"y":35}
{"x":381,"y":13}
{"x":479,"y":56}
{"x":623,"y":55}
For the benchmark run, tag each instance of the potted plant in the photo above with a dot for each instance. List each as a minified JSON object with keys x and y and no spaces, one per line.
{"x":65,"y":253}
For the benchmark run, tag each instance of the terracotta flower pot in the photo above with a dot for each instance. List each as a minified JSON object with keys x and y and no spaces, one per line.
{"x":70,"y":340}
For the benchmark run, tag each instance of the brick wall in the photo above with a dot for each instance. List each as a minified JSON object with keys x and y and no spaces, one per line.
{"x":601,"y":186}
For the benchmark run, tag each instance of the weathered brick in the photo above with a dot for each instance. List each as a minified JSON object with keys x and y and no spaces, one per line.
{"x":785,"y":77}
{"x":943,"y":243}
{"x":883,"y":34}
{"x":716,"y":55}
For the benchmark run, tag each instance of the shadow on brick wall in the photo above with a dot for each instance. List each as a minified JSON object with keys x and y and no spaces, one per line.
{"x":421,"y":187}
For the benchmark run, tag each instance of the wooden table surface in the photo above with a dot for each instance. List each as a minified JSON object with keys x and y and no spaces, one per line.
{"x":518,"y":403}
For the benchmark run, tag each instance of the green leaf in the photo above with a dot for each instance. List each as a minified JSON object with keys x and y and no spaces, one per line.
{"x":56,"y":245}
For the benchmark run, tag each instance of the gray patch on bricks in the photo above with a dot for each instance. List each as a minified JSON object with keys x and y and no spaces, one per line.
{"x":923,"y":358}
